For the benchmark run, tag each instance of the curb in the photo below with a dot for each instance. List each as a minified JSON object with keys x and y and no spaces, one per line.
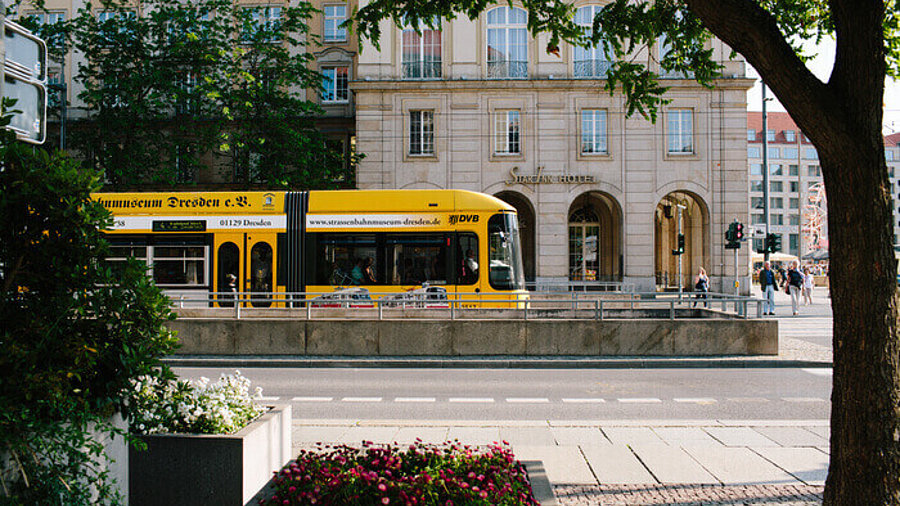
{"x":288,"y":361}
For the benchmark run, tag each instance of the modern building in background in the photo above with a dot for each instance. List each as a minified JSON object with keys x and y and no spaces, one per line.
{"x":481,"y":105}
{"x":797,"y":199}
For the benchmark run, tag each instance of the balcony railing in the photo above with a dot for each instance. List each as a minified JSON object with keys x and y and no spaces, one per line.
{"x":592,"y":68}
{"x":507,"y":69}
{"x":421,"y":70}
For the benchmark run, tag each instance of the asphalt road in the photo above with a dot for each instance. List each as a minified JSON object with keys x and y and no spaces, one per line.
{"x":544,"y":394}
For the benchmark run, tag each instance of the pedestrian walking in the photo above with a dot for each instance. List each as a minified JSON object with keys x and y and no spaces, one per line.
{"x":809,"y":281}
{"x":701,"y":286}
{"x":795,"y":285}
{"x":768,"y":284}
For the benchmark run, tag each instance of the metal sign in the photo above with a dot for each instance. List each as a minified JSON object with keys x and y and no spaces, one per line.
{"x":25,"y":80}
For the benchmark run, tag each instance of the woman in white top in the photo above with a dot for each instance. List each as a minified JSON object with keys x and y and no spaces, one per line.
{"x":808,"y":283}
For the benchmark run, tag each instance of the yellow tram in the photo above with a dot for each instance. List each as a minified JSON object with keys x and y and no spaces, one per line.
{"x":270,"y":243}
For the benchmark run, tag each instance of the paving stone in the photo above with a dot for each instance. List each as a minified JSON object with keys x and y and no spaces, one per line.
{"x":616,"y":464}
{"x":529,"y":436}
{"x":317,"y":434}
{"x":671,"y":464}
{"x":739,"y":466}
{"x":475,"y":435}
{"x":824,"y":432}
{"x":792,"y":436}
{"x":678,"y":436}
{"x":629,"y":435}
{"x":429,"y":435}
{"x":684,"y":495}
{"x":578,"y":436}
{"x":739,"y":436}
{"x":563,"y":464}
{"x":356,"y":435}
{"x":807,"y":464}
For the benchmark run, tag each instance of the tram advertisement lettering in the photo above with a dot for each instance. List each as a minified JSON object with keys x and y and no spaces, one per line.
{"x":179,"y":226}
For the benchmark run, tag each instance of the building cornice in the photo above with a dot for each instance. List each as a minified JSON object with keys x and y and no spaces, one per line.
{"x":450,"y":85}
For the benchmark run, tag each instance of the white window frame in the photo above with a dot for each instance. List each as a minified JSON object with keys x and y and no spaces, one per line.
{"x":508,"y":132}
{"x":751,"y":134}
{"x":424,"y":39}
{"x":517,"y":30}
{"x":589,"y":61}
{"x":680,"y":131}
{"x":264,"y":16}
{"x":333,"y":31}
{"x":421,"y":132}
{"x":332,"y":87}
{"x":594,"y":127}
{"x":790,"y":136}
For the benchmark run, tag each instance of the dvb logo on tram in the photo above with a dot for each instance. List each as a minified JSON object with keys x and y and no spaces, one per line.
{"x":463,"y":218}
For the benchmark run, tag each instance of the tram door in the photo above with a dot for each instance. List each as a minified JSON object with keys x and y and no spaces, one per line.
{"x":245,"y":263}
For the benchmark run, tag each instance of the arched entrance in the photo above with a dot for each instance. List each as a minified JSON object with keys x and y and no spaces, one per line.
{"x":595,"y":238}
{"x":694,"y":224}
{"x":526,"y":229}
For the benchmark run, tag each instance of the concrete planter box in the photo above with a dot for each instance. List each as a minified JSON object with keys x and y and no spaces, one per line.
{"x":215,"y":470}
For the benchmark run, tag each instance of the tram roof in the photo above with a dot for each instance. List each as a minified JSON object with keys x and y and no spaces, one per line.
{"x":343,"y":201}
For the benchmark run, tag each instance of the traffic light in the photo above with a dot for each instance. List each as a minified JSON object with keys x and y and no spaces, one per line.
{"x":24,"y":79}
{"x":734,"y":235}
{"x":738,"y":231}
{"x":729,"y":234}
{"x":773,"y":243}
{"x":679,"y":249}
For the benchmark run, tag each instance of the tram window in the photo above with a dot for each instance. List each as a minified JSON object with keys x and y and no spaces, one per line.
{"x":179,"y":265}
{"x":467,"y":255}
{"x":414,"y":259}
{"x":119,"y":253}
{"x":344,"y":259}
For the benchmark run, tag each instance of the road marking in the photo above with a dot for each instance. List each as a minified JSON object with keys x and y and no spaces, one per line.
{"x":414,"y":399}
{"x":268,"y":398}
{"x":640,"y":400}
{"x":747,"y":399}
{"x":803,"y":399}
{"x":361,"y":399}
{"x":584,"y":400}
{"x":312,"y":399}
{"x":695,"y":400}
{"x":820,"y":372}
{"x":472,"y":399}
{"x":527,"y":400}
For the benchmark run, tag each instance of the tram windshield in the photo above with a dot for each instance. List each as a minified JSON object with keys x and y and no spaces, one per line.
{"x":505,"y":254}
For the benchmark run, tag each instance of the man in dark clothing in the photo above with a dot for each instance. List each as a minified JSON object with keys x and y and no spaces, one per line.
{"x":768,"y":284}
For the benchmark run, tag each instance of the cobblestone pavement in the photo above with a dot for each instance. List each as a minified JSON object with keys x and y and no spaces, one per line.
{"x":688,"y":495}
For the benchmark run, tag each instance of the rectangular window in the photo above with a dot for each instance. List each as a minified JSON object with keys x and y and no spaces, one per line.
{"x":757,"y":202}
{"x":757,"y":244}
{"x":776,"y":202}
{"x":420,"y":55}
{"x":176,"y":263}
{"x":789,"y":136}
{"x":810,"y":184}
{"x":756,"y":169}
{"x":789,"y":153}
{"x":593,"y":131}
{"x":335,"y":84}
{"x":794,"y":244}
{"x":263,"y":20}
{"x":776,"y":186}
{"x":777,"y":219}
{"x":795,"y":186}
{"x":754,"y":152}
{"x":793,"y":170}
{"x":681,"y":131}
{"x":774,"y":153}
{"x":758,"y":219}
{"x":335,"y":15}
{"x":507,"y":132}
{"x":810,"y":154}
{"x":794,"y":203}
{"x":756,"y":185}
{"x":814,"y":171}
{"x":751,"y":134}
{"x":112,"y":22}
{"x":794,"y":219}
{"x":770,"y":135}
{"x":421,"y":132}
{"x":776,"y":169}
{"x":888,"y":155}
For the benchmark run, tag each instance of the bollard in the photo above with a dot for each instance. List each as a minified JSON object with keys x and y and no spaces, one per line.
{"x":671,"y":309}
{"x":380,"y":310}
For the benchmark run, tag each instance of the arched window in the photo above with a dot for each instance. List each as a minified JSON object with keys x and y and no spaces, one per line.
{"x":421,"y":51}
{"x":507,"y":43}
{"x":590,"y":61}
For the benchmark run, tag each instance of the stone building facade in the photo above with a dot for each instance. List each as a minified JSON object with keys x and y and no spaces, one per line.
{"x":480,"y":105}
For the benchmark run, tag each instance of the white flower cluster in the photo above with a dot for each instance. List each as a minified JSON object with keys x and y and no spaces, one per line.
{"x":198,"y":407}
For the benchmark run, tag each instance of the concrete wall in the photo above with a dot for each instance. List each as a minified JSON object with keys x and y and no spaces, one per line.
{"x":646,"y":337}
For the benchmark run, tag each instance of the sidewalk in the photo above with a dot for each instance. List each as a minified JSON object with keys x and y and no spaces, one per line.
{"x":631,"y":462}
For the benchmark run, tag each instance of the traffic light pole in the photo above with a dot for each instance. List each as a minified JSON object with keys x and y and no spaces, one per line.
{"x":679,"y":208}
{"x":765,"y":168}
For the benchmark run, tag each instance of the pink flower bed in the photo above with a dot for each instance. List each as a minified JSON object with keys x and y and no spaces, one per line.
{"x":419,"y":474}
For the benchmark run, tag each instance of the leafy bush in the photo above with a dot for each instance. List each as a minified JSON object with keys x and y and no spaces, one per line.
{"x":157,"y":404}
{"x":420,"y":474}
